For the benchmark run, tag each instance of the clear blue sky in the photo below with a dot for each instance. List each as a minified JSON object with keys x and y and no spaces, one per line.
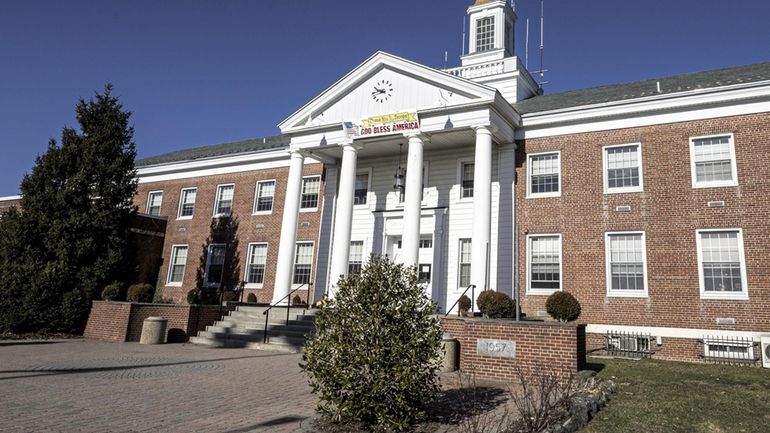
{"x":204,"y":72}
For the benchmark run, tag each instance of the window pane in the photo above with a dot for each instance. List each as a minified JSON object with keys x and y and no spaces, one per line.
{"x":721,"y":262}
{"x":464,"y":278}
{"x":356,"y":256}
{"x":544,"y":175}
{"x":310,"y":189}
{"x":362,"y":187}
{"x":153,"y":203}
{"x":467,"y":180}
{"x":626,"y":261}
{"x":623,"y":166}
{"x":257,"y":260}
{"x":265,"y":193}
{"x":225,"y":202}
{"x":545,"y":256}
{"x":485,"y":31}
{"x":178,"y":262}
{"x":215,"y":263}
{"x":188,"y":202}
{"x":713,"y":159}
{"x":303,"y":261}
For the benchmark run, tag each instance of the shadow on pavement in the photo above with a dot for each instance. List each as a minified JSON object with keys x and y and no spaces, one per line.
{"x":269,"y":423}
{"x":26,"y":343}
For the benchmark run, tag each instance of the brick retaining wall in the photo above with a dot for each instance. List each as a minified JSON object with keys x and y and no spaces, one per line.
{"x":122,"y":321}
{"x":559,"y":348}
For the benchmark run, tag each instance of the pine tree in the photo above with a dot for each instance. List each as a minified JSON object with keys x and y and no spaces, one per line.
{"x":70,"y":237}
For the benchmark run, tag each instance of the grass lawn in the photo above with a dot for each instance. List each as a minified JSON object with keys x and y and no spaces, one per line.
{"x":663,"y":396}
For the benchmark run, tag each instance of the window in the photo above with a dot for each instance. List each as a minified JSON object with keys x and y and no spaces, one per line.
{"x":626,"y":264}
{"x":187,"y":203}
{"x":544,"y":263}
{"x":464,"y":274}
{"x":154,"y":200}
{"x":311,"y":186}
{"x":721,"y":263}
{"x":426,"y":242}
{"x":255,"y":272}
{"x":362,"y":188}
{"x":466,"y":180}
{"x":729,"y":348}
{"x":263,"y":200}
{"x":623,"y":168}
{"x":713,"y":161}
{"x":423,"y":274}
{"x":303,"y":262}
{"x":544,"y":170}
{"x":485,"y":34}
{"x":356,"y":257}
{"x":224,"y":203}
{"x":215,"y":264}
{"x":178,"y":263}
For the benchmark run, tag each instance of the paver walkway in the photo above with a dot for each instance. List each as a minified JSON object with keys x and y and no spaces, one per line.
{"x":93,"y":386}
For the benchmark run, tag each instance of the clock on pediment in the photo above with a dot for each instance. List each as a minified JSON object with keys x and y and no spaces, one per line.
{"x":382,"y":91}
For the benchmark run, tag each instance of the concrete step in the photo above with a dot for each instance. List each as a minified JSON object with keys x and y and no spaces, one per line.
{"x":238,"y":323}
{"x":276,"y":346}
{"x":227,"y":332}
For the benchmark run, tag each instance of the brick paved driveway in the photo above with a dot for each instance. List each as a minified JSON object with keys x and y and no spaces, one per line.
{"x":93,"y":386}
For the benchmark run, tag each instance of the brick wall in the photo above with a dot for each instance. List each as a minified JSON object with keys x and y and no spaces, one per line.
{"x":540,"y":346}
{"x":669,"y":210}
{"x":108,"y":321}
{"x":7,"y":204}
{"x":250,"y":228}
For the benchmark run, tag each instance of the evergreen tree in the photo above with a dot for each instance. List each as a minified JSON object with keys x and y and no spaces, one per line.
{"x":70,"y":237}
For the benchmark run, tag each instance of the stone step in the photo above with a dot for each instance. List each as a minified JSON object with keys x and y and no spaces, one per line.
{"x":259,"y":317}
{"x":238,"y":323}
{"x":275,"y":346}
{"x":225,"y":332}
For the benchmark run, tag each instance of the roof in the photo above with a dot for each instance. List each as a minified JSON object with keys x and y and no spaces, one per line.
{"x":638,"y":89}
{"x":215,"y":150}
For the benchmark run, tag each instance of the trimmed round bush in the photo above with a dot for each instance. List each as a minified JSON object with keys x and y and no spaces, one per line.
{"x":374,"y":358}
{"x":563,"y":307}
{"x":464,"y":304}
{"x":251,"y":298}
{"x":140,"y":293}
{"x":495,"y":305}
{"x":112,"y":291}
{"x":297,"y":301}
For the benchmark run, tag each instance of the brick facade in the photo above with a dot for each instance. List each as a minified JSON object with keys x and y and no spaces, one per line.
{"x":7,"y":204}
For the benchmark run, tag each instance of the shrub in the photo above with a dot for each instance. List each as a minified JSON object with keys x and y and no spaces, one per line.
{"x":112,"y":291}
{"x":192,"y":297}
{"x":464,"y":305}
{"x":563,"y":307}
{"x":297,"y":301}
{"x":140,"y":293}
{"x":375,"y":355}
{"x":495,"y":305}
{"x":251,"y":298}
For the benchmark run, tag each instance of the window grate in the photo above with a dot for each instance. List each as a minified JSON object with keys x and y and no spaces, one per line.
{"x":720,"y":349}
{"x":629,"y":344}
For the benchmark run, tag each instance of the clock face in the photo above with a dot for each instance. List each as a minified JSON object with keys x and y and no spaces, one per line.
{"x":382,"y":91}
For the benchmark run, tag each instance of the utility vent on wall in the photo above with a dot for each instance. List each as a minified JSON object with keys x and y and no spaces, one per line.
{"x":624,"y":208}
{"x":305,"y":224}
{"x":725,"y":321}
{"x":182,"y":229}
{"x":260,"y":226}
{"x":716,"y":203}
{"x":542,"y":313}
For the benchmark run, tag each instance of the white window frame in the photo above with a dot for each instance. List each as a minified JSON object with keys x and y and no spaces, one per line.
{"x":479,"y":36}
{"x":363,"y":253}
{"x":708,"y":342}
{"x":160,"y":207}
{"x":733,"y":165}
{"x":170,"y":283}
{"x":254,"y":210}
{"x":743,"y":294}
{"x":530,"y":194}
{"x":607,"y":189}
{"x":530,"y":290}
{"x":248,"y":263}
{"x":460,"y":262}
{"x":367,"y":171}
{"x":302,"y":187}
{"x":181,"y":197}
{"x":460,"y":164}
{"x":216,"y":201}
{"x":294,"y":263}
{"x":608,"y":267}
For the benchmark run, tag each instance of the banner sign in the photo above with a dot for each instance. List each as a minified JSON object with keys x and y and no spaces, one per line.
{"x":395,"y":123}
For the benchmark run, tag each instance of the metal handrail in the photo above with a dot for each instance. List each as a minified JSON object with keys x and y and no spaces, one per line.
{"x":288,"y":307}
{"x":472,"y":288}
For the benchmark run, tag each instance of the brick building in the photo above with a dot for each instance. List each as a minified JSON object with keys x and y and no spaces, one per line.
{"x":646,"y":200}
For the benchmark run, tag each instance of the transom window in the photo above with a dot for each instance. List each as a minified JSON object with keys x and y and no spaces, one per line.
{"x":544,"y":172}
{"x":355,"y":257}
{"x":722,"y":267}
{"x":215,"y":264}
{"x":311,"y":186}
{"x":224,"y":202}
{"x":178,"y":263}
{"x":362,"y":188}
{"x":626,"y":264}
{"x":426,"y":242}
{"x":303,"y":262}
{"x":264,"y":196}
{"x":485,"y":34}
{"x":544,"y":263}
{"x":466,"y":180}
{"x":464,"y":271}
{"x":187,"y":202}
{"x":622,"y":168}
{"x":713,"y":161}
{"x":255,"y":273}
{"x":154,"y":201}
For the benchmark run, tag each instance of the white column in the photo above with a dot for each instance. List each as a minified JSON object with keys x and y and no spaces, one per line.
{"x":285,"y":267}
{"x":410,"y":238}
{"x":482,"y":208}
{"x":344,"y":216}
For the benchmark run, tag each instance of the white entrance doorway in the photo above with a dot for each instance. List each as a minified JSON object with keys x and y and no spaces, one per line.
{"x":426,"y":256}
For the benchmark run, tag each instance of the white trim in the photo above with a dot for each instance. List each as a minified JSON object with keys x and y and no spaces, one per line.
{"x":302,"y":188}
{"x":608,"y":267}
{"x":160,"y":207}
{"x":207,"y":265}
{"x":294,"y":264}
{"x":607,"y":189}
{"x":10,"y":197}
{"x":217,"y":197}
{"x":368,"y":172}
{"x":529,"y":289}
{"x":248,"y":263}
{"x":254,"y":210}
{"x":171,"y":266}
{"x":214,"y":167}
{"x":460,"y":163}
{"x":733,"y":164}
{"x":530,"y":194}
{"x":672,"y":332}
{"x":744,"y":293}
{"x":181,"y":196}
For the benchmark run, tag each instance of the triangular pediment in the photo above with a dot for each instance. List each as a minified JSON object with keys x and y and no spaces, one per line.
{"x":385,"y":84}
